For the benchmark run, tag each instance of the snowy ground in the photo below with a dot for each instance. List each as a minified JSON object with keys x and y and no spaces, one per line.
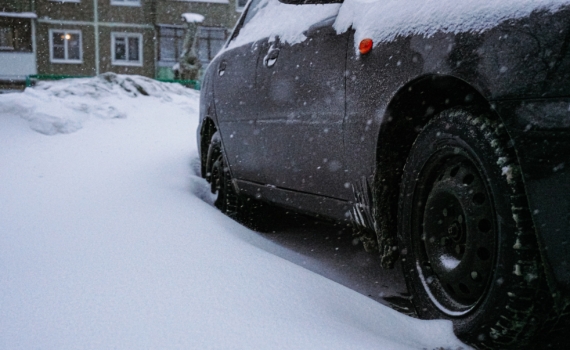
{"x":107,"y":239}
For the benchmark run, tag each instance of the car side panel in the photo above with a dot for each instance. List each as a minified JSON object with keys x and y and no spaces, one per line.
{"x":307,"y":203}
{"x":300,"y":123}
{"x":235,"y":103}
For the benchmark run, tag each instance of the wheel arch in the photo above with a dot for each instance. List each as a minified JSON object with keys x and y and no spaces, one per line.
{"x":411,"y":108}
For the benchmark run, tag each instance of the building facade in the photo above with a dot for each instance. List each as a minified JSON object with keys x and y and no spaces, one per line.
{"x":89,"y":37}
{"x":220,"y":17}
{"x":17,"y":41}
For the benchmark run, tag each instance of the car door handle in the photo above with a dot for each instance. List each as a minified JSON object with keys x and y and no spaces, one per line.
{"x":222,"y":68}
{"x":271,"y":57}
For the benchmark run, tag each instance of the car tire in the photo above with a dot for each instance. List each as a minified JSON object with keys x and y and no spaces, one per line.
{"x":469,"y":250}
{"x":244,"y":209}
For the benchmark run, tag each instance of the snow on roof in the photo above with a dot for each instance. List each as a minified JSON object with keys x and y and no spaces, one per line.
{"x":387,"y":19}
{"x":269,"y":21}
{"x":18,"y":14}
{"x":193,"y":17}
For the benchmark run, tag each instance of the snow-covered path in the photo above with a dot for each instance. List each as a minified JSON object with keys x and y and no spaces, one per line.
{"x":106,"y":241}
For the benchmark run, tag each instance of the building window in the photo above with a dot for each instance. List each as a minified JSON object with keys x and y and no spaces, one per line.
{"x":240,"y":5}
{"x":171,"y":43}
{"x":126,"y":2}
{"x":15,"y":35}
{"x":65,"y":46}
{"x":126,"y":49}
{"x":6,"y":39}
{"x":210,"y":42}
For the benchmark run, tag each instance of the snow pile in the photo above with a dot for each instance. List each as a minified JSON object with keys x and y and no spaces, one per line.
{"x":384,"y":20}
{"x":106,"y":244}
{"x":64,"y":106}
{"x":288,"y":22}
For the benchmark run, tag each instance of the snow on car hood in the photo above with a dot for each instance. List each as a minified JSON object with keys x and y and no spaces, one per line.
{"x":269,"y":22}
{"x":384,"y":20}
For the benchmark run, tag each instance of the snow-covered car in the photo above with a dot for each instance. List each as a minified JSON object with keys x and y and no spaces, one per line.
{"x":439,"y":129}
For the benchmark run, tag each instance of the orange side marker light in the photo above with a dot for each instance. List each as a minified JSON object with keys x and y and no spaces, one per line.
{"x":365,"y":46}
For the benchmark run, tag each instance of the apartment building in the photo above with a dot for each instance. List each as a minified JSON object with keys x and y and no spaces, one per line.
{"x":88,"y":37}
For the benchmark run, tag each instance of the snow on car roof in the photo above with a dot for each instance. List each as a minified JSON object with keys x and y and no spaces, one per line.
{"x":385,"y":20}
{"x":268,"y":22}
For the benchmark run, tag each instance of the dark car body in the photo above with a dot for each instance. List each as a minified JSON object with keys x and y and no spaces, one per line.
{"x":324,"y":128}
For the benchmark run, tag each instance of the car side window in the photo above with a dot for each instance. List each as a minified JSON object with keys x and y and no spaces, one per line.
{"x":274,"y":18}
{"x":251,"y":11}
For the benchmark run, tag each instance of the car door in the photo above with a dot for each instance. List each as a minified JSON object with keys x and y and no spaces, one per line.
{"x":235,"y":103}
{"x":301,"y":110}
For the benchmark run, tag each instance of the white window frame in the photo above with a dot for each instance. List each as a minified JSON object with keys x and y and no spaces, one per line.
{"x":136,"y":3}
{"x":65,"y":0}
{"x":241,"y":8}
{"x":66,"y":60}
{"x":115,"y":62}
{"x":176,"y":28}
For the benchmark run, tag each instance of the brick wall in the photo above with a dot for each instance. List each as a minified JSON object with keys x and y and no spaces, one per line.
{"x":78,"y":16}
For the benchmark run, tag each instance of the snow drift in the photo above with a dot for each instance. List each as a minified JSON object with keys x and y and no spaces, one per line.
{"x":105,"y":242}
{"x":65,"y":106}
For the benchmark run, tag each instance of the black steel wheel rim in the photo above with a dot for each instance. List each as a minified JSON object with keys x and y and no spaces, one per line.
{"x":454,"y":232}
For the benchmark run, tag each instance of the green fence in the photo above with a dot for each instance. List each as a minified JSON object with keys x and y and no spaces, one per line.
{"x":194,"y":84}
{"x":31,"y":79}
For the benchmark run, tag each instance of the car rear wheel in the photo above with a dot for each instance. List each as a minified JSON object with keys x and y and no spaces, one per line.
{"x":469,"y":251}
